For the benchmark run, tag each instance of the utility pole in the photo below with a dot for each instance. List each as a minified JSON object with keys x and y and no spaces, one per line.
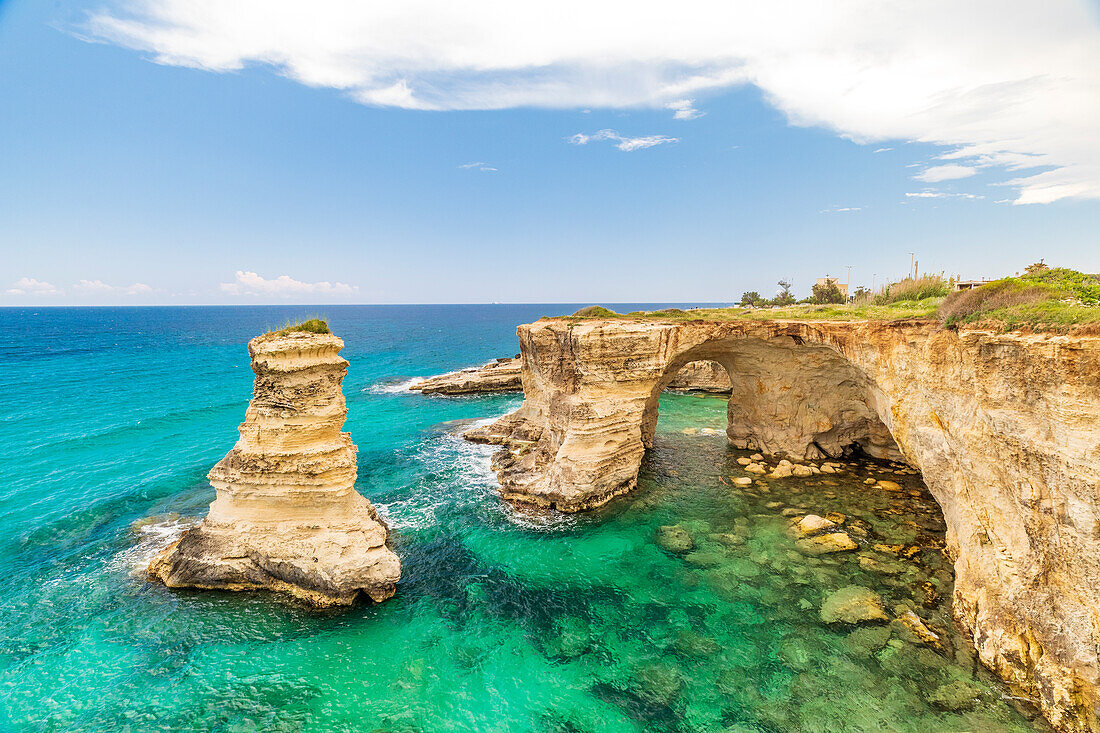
{"x":873,"y":276}
{"x":848,"y":285}
{"x":911,"y":261}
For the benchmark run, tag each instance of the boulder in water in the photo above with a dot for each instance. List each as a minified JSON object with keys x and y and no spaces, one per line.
{"x":853,"y":604}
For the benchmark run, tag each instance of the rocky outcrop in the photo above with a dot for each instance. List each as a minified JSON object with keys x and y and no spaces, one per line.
{"x":503,"y":375}
{"x":701,"y":376}
{"x":287,"y":516}
{"x":1005,"y":429}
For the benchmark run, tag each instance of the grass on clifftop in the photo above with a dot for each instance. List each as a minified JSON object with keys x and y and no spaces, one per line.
{"x":1048,"y":299}
{"x":1044,"y":299}
{"x":313,"y":325}
{"x":848,"y":312}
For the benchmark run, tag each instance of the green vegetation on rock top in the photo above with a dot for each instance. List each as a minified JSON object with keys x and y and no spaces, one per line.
{"x":1045,"y":299}
{"x":809,"y":312}
{"x":313,"y":325}
{"x":595,"y":311}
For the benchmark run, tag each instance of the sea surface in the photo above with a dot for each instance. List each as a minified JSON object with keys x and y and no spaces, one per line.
{"x":502,"y":621}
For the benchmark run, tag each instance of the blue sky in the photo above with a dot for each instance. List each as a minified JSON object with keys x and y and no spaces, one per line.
{"x":132,"y":176}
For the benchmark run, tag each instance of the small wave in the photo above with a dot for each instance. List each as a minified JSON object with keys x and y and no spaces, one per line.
{"x":390,"y":386}
{"x":152,"y":535}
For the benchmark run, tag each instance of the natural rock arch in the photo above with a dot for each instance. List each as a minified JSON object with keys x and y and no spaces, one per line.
{"x":1005,"y":429}
{"x":788,"y":396}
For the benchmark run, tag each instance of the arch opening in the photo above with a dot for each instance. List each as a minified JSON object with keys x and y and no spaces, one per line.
{"x":789,"y":397}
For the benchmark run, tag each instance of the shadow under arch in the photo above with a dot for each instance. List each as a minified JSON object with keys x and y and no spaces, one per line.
{"x":789,"y":396}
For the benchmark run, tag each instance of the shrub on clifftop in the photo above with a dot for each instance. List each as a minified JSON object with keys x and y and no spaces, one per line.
{"x":1041,"y":298}
{"x":915,"y":289}
{"x":313,"y":325}
{"x":595,"y":311}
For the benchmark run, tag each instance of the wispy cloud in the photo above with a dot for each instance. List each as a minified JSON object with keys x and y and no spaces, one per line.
{"x":841,"y":209}
{"x":881,"y":150}
{"x":30,"y":286}
{"x":948,"y":172}
{"x":684,"y":109}
{"x":928,"y":194}
{"x":626,"y":144}
{"x":98,"y":287}
{"x":479,"y":166}
{"x":249,"y":283}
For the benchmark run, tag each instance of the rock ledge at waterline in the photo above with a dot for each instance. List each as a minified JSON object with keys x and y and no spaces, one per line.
{"x":1004,"y":427}
{"x":503,"y":375}
{"x":287,"y":517}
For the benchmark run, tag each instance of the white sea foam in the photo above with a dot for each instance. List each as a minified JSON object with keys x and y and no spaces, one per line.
{"x":391,"y":387}
{"x":466,"y":482}
{"x":151,"y":536}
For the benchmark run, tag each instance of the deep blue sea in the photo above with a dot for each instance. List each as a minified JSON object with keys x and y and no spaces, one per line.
{"x":502,"y":622}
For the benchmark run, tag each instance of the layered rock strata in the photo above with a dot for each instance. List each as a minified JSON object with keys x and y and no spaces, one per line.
{"x":287,"y":516}
{"x":503,"y":375}
{"x":1005,"y":429}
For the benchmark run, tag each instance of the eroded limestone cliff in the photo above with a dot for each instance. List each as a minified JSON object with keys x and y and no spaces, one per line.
{"x":287,"y":516}
{"x":1005,"y":429}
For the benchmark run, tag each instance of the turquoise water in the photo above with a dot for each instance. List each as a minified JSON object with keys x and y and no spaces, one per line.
{"x":502,"y":622}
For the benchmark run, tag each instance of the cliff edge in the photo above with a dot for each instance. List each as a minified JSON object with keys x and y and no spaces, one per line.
{"x":287,"y":516}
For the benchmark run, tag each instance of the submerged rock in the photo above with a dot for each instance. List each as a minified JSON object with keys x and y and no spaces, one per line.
{"x":915,"y":630}
{"x":287,"y":516}
{"x":658,"y":684}
{"x":853,"y":604}
{"x":955,"y":696}
{"x":691,"y":644}
{"x":675,"y":539}
{"x":867,"y":640}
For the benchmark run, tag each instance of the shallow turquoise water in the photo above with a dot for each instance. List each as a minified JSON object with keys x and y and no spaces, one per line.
{"x":502,"y":622}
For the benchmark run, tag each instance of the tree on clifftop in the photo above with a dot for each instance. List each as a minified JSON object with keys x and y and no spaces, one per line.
{"x":752,"y":298}
{"x":827,"y":293}
{"x":783,"y":297}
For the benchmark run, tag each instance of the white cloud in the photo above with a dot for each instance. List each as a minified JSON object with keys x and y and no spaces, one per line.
{"x":30,"y":286}
{"x":929,"y":194}
{"x":998,"y":80}
{"x":948,"y":172}
{"x":626,"y":144}
{"x":99,"y":287}
{"x":479,"y":166}
{"x":249,"y":283}
{"x":882,"y":150}
{"x":684,"y":109}
{"x":842,"y":209}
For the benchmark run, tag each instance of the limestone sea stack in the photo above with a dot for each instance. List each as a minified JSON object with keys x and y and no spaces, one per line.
{"x":287,"y":516}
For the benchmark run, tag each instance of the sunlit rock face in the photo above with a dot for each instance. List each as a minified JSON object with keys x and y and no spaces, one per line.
{"x":287,"y":516}
{"x":1005,"y":429}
